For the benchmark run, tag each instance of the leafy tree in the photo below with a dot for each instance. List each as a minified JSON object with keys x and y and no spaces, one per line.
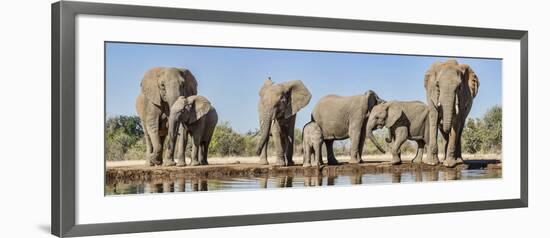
{"x":122,"y":132}
{"x":472,"y":136}
{"x":226,"y":142}
{"x":485,"y":134}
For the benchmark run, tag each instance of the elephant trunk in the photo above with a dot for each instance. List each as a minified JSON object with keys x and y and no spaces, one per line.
{"x":448,"y":108}
{"x":370,"y":128}
{"x":265,"y":127}
{"x":173,"y":125}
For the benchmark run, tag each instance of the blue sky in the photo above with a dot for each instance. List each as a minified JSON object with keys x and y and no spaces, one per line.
{"x":231,"y":77}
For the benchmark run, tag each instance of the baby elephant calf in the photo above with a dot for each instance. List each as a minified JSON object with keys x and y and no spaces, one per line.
{"x":405,"y":120}
{"x":312,"y":140}
{"x":198,"y":118}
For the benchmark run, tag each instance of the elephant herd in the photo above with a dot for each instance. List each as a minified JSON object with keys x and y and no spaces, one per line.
{"x":168,"y":106}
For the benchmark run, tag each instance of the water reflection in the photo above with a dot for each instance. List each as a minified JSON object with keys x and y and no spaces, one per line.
{"x":204,"y":184}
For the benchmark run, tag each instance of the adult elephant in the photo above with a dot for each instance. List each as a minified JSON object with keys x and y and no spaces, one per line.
{"x":345,"y":117}
{"x":450,"y":91}
{"x":160,"y":88}
{"x":277,"y":110}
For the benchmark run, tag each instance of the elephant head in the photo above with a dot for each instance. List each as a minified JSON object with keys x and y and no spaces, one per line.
{"x":443,"y":81}
{"x":188,"y":110}
{"x":165,"y":85}
{"x":279,"y":101}
{"x":385,"y":114}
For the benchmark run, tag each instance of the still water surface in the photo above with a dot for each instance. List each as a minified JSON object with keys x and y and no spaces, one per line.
{"x":244,"y":183}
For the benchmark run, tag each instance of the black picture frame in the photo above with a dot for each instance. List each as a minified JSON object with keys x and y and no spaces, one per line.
{"x":64,"y":134}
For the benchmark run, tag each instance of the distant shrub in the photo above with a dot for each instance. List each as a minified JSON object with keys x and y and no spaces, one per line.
{"x":485,"y":134}
{"x":226,"y":142}
{"x":123,"y":133}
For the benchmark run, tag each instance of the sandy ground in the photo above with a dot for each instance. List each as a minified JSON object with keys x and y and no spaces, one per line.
{"x":298,"y":159}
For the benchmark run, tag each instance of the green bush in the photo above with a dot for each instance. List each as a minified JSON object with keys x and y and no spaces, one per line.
{"x":226,"y":142}
{"x":485,"y":134}
{"x":122,"y":133}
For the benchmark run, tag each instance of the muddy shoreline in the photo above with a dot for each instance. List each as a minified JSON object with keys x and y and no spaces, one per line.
{"x":146,"y":173}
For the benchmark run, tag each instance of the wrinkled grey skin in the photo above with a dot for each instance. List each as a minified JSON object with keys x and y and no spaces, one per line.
{"x":199,"y":118}
{"x":450,"y":90}
{"x":312,"y":142}
{"x":160,"y":88}
{"x":277,"y":110}
{"x":405,"y":121}
{"x":345,"y":117}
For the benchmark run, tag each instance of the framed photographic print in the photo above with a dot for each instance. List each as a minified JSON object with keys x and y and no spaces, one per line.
{"x":167,"y":119}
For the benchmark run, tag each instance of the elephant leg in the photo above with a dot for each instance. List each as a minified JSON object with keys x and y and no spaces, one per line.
{"x":155,"y":157}
{"x":331,"y":159}
{"x":458,"y":149}
{"x":450,"y":160}
{"x":278,"y":143}
{"x":200,"y":153}
{"x":195,"y":152}
{"x":354,"y":135}
{"x":289,"y":149}
{"x":289,"y":140}
{"x":263,"y":155}
{"x":307,"y":156}
{"x":362,"y":138}
{"x":432,"y":156}
{"x":318,"y":154}
{"x":148,"y":146}
{"x":168,"y":154}
{"x":204,"y":153}
{"x":419,"y":151}
{"x":445,"y":137}
{"x":401,"y":135}
{"x":181,"y":146}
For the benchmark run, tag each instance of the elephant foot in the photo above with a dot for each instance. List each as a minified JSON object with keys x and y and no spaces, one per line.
{"x":168,"y":163}
{"x":395,"y":161}
{"x":195,"y":163}
{"x":290,"y":163}
{"x":431,"y":160}
{"x":449,"y":162}
{"x":154,"y":162}
{"x":181,"y":163}
{"x":459,"y":160}
{"x":332,"y":161}
{"x":305,"y":165}
{"x":355,"y":161}
{"x":204,"y":163}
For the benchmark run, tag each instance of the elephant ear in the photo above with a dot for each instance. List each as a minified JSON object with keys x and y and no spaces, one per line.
{"x":394,"y":112}
{"x":189,"y":82}
{"x":372,"y":100}
{"x":470,"y":78}
{"x":267,"y":83}
{"x":201,"y":104}
{"x":150,"y":86}
{"x":430,"y":82}
{"x":299,"y":96}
